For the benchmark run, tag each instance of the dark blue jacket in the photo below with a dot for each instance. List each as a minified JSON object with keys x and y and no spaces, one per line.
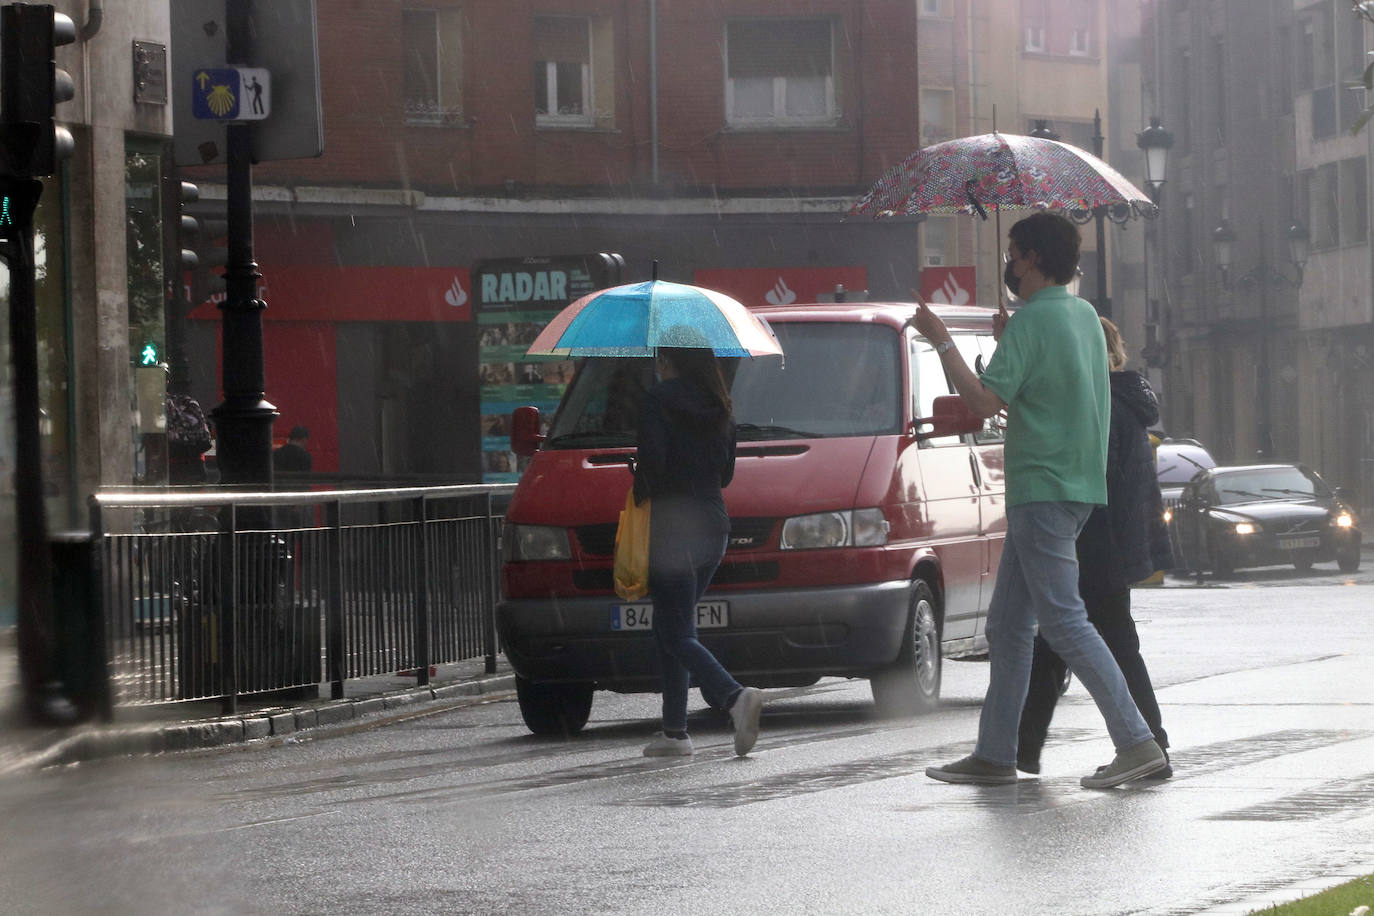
{"x":686,"y":444}
{"x":1126,"y":540}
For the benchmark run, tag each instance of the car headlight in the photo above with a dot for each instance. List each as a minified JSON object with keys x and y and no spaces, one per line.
{"x":858,"y":528}
{"x":1246,"y":527}
{"x":1344,"y":520}
{"x":536,"y":542}
{"x":1168,"y":516}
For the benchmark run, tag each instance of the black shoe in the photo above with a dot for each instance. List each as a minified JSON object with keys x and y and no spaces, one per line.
{"x":1027,"y":765}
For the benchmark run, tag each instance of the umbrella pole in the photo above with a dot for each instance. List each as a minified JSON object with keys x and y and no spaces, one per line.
{"x":1001,"y":287}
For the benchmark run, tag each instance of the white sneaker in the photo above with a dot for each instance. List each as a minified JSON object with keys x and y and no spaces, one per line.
{"x":744,"y":713}
{"x":663,"y":746}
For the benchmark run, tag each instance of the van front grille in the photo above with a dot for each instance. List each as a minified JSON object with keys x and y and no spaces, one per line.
{"x":745,"y":534}
{"x":744,"y":573}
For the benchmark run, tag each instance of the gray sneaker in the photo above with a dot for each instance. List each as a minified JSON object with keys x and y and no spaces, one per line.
{"x":663,"y":746}
{"x":1143,"y":759}
{"x":972,"y":770}
{"x":744,"y":714}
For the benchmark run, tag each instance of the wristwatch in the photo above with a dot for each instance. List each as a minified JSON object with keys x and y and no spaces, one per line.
{"x":944,"y":347}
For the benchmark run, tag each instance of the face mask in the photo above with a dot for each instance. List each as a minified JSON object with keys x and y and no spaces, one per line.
{"x":1013,"y":282}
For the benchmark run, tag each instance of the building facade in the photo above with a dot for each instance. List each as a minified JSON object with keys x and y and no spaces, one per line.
{"x":722,"y":141}
{"x":1265,"y":299}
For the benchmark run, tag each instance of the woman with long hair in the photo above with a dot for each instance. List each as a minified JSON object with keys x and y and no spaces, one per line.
{"x":686,"y":456}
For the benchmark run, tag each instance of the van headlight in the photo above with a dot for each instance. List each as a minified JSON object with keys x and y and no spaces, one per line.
{"x":1344,"y":520}
{"x":857,"y":528}
{"x":536,"y":542}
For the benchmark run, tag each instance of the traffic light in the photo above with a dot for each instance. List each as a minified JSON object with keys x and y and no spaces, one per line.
{"x":198,"y":253}
{"x":31,"y":86}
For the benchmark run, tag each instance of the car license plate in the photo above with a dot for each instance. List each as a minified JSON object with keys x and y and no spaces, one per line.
{"x":1298,"y":543}
{"x":711,"y":615}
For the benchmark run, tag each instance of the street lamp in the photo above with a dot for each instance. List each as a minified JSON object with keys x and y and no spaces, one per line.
{"x":1266,"y":278}
{"x":1156,"y":142}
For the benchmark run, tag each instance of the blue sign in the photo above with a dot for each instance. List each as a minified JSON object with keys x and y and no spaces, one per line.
{"x":231,"y":94}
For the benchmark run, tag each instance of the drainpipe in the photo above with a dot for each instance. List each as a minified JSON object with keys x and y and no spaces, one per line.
{"x":95,"y":14}
{"x":653,"y":91}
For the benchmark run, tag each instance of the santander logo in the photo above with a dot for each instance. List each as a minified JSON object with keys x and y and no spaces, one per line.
{"x":455,"y":295}
{"x":780,"y":294}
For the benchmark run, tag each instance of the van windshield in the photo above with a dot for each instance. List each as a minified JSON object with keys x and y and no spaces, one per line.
{"x":837,"y":379}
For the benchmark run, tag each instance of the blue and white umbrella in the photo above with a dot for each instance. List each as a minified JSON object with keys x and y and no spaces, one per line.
{"x":635,"y":319}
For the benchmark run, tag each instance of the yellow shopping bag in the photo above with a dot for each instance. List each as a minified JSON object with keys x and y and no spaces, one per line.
{"x":632,"y":549}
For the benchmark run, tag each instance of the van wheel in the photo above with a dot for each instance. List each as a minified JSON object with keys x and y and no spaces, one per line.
{"x":911,"y":684}
{"x":553,"y":710}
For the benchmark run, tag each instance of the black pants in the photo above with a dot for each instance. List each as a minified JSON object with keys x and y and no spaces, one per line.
{"x":1111,"y":615}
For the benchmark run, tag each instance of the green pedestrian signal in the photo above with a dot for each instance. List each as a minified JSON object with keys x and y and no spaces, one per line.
{"x":149,"y":356}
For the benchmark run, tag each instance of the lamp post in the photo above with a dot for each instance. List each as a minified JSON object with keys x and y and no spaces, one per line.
{"x":1156,"y":142}
{"x":1097,"y":214}
{"x":1264,"y":277}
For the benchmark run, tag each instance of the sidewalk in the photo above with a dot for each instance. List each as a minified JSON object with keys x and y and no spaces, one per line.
{"x":153,"y":730}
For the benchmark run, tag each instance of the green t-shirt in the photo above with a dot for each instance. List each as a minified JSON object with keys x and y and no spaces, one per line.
{"x":1050,"y":367}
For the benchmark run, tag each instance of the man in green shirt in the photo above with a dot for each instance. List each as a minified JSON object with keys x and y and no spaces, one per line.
{"x":1050,"y":374}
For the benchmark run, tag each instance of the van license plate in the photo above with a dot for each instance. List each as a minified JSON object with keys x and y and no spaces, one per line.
{"x":1297,"y":543}
{"x":711,"y":615}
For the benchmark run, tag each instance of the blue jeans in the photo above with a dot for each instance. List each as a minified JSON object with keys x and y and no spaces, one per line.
{"x":687,"y":539}
{"x":1038,"y":580}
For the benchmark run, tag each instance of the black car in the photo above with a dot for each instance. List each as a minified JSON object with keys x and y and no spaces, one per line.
{"x":1263,"y":515}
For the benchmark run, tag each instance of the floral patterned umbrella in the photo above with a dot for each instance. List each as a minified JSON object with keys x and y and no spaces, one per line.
{"x":1002,"y":172}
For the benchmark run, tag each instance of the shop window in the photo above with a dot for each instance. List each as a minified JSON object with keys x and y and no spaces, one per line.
{"x":937,"y":239}
{"x":937,"y":115}
{"x":779,"y":72}
{"x":431,"y":73}
{"x":574,"y":72}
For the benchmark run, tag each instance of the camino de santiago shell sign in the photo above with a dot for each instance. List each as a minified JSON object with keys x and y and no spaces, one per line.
{"x":515,"y":298}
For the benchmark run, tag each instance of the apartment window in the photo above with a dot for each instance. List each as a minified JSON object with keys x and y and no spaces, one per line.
{"x":1035,"y":37}
{"x":779,"y":72}
{"x":1350,"y":69}
{"x":1217,"y":63}
{"x":1320,"y":26}
{"x":937,"y":115}
{"x":1183,"y":69}
{"x":431,"y":73}
{"x":1187,"y":251}
{"x":934,"y":8}
{"x":562,"y":71}
{"x":1080,"y":41}
{"x":1352,"y":190}
{"x":1326,"y":214}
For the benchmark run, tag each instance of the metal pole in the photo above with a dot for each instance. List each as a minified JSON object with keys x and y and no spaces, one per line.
{"x":243,"y":423}
{"x":1263,"y":447}
{"x":1104,"y":307}
{"x":36,"y":620}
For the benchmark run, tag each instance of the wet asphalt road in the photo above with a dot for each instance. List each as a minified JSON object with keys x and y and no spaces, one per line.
{"x":1265,"y":683}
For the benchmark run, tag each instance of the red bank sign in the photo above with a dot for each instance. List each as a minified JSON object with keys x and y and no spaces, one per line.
{"x":781,"y":285}
{"x":314,"y":293}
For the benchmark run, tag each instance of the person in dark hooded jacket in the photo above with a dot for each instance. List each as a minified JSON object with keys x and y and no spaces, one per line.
{"x":686,"y":456}
{"x":1122,"y":543}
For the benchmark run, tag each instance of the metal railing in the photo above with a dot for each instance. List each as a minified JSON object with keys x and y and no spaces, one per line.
{"x":217,"y":595}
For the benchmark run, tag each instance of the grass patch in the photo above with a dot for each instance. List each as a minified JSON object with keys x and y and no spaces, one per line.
{"x":1340,"y":900}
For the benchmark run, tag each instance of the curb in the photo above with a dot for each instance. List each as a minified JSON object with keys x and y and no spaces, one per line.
{"x":98,"y":742}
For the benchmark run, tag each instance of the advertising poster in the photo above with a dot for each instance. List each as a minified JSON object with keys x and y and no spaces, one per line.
{"x":515,"y":298}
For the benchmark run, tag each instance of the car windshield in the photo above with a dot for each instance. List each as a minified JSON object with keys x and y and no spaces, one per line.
{"x":1268,"y":483}
{"x":1177,"y":465}
{"x":836,"y":379}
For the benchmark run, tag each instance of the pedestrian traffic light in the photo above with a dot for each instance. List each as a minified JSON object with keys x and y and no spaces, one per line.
{"x":31,"y":86}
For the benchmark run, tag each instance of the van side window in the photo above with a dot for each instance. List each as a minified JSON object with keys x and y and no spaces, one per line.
{"x":928,"y":382}
{"x":994,"y":427}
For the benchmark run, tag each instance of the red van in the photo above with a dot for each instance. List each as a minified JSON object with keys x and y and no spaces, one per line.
{"x":866,"y":511}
